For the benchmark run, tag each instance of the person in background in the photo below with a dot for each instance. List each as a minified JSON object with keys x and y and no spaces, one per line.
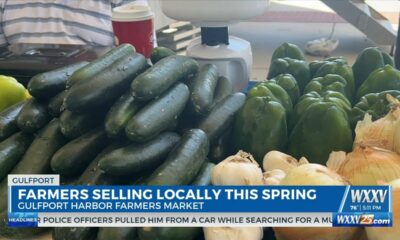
{"x":82,"y":22}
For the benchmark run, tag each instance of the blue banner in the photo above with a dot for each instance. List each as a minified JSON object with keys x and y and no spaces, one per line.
{"x":33,"y":205}
{"x":199,"y":199}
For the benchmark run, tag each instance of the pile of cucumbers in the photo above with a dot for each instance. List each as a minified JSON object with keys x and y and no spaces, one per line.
{"x":119,"y":120}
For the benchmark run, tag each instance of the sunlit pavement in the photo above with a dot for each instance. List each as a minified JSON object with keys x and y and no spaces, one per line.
{"x":299,"y":21}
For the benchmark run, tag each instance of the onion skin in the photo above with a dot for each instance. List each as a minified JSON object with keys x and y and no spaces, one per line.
{"x":369,"y":165}
{"x":389,"y":233}
{"x":382,"y":133}
{"x":315,"y":175}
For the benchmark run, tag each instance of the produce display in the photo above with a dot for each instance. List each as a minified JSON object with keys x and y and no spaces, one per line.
{"x":322,"y":115}
{"x":121,"y":120}
{"x":340,"y":132}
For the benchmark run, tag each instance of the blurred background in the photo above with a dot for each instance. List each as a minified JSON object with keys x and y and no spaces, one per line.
{"x":298,"y":22}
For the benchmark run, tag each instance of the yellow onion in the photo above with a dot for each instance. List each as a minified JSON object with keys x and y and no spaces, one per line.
{"x":336,"y":160}
{"x":236,"y":233}
{"x":315,"y":174}
{"x":367,"y":165}
{"x":273,"y":177}
{"x":239,"y":169}
{"x":279,"y":160}
{"x":384,"y":132}
{"x":389,"y":233}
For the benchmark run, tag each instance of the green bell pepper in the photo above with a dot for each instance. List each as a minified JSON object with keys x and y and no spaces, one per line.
{"x":310,"y":98}
{"x":259,"y":127}
{"x":315,"y":65}
{"x":382,"y":79}
{"x":330,"y":82}
{"x":289,"y":83}
{"x":298,"y":68}
{"x":288,"y":50}
{"x":322,"y":128}
{"x":273,"y":92}
{"x":376,"y":104}
{"x":336,"y":58}
{"x":339,"y":68}
{"x":368,"y":61}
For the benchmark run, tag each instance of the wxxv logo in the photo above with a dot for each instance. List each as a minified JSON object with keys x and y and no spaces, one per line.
{"x":368,"y":195}
{"x":358,"y":219}
{"x":365,"y":208}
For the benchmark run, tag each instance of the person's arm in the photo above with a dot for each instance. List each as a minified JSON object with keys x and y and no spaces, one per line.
{"x":117,"y":3}
{"x":3,"y":40}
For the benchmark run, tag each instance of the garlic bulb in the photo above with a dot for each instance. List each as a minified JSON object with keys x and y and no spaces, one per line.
{"x":367,"y":165}
{"x":384,"y":132}
{"x":239,"y":169}
{"x":389,"y":233}
{"x":315,"y":174}
{"x":236,"y":233}
{"x":303,"y":161}
{"x":273,"y":177}
{"x":279,"y":160}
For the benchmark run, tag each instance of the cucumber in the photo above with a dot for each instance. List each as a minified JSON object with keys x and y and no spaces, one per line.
{"x":36,"y":159}
{"x":159,"y":53}
{"x":119,"y":114}
{"x":47,"y":85}
{"x":203,"y":88}
{"x":220,"y":148}
{"x":11,"y":151}
{"x":158,"y":115}
{"x":204,"y":176}
{"x":55,"y":107}
{"x":184,"y":161}
{"x":92,"y":175}
{"x":8,"y":120}
{"x":157,"y":79}
{"x":222,"y":116}
{"x":224,"y":89}
{"x":99,"y":64}
{"x":106,"y":86}
{"x":74,"y":125}
{"x":74,"y":233}
{"x":33,"y":116}
{"x":169,"y":233}
{"x":117,"y":233}
{"x":75,"y":156}
{"x":137,"y":158}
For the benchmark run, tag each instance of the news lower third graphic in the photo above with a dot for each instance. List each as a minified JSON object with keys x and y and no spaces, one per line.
{"x":40,"y":201}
